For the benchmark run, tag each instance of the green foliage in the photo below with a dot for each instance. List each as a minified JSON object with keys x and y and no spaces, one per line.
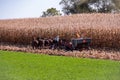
{"x":51,"y":12}
{"x":102,"y":6}
{"x":27,"y":66}
{"x":74,"y":6}
{"x":88,"y":6}
{"x":117,"y":4}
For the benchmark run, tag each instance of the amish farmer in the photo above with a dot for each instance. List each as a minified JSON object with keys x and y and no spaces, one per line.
{"x":55,"y":42}
{"x":57,"y":38}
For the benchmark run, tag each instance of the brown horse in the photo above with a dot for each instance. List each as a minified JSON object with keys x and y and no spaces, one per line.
{"x":37,"y":43}
{"x":34,"y":43}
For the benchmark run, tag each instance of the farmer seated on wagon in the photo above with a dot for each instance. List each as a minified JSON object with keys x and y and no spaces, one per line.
{"x":57,"y":38}
{"x":55,"y":42}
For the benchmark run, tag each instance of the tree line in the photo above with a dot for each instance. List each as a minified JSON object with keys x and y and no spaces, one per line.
{"x":84,"y":6}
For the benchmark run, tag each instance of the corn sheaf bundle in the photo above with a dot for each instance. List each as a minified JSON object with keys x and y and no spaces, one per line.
{"x":104,"y":29}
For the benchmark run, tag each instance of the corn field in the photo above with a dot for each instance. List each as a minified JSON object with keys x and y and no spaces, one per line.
{"x":104,"y":29}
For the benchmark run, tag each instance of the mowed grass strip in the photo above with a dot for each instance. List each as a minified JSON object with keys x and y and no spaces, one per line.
{"x":28,"y":66}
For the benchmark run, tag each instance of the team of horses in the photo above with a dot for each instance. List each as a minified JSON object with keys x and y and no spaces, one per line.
{"x":40,"y":43}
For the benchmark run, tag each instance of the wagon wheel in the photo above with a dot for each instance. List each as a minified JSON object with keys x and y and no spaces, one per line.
{"x":78,"y":47}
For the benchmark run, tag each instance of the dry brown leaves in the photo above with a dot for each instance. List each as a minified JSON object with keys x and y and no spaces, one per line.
{"x":95,"y":54}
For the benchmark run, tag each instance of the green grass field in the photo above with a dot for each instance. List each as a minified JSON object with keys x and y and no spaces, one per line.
{"x":28,"y":66}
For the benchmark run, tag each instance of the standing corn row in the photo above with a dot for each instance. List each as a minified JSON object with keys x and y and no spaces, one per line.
{"x":104,"y":29}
